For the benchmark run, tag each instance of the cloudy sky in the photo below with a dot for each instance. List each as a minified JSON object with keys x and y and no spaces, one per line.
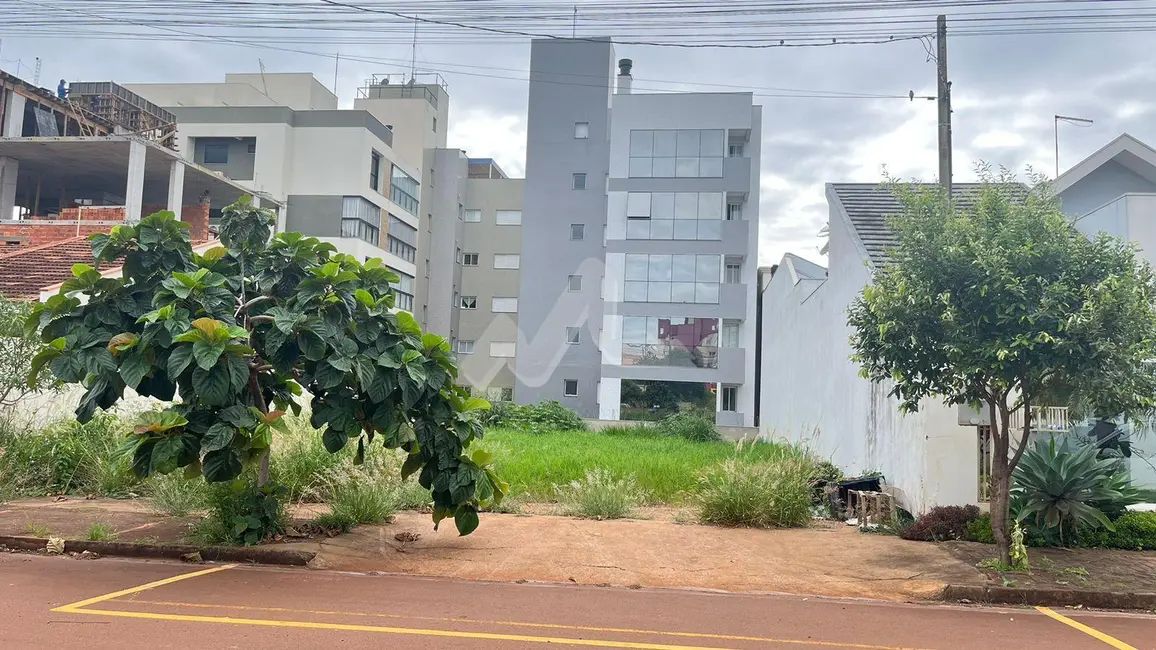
{"x":1006,"y":87}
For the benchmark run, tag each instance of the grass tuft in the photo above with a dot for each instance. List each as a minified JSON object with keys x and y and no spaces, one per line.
{"x":757,"y":494}
{"x":99,"y":532}
{"x":600,"y":495}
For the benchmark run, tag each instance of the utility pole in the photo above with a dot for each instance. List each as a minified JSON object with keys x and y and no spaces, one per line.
{"x":944,"y":95}
{"x":1078,"y":121}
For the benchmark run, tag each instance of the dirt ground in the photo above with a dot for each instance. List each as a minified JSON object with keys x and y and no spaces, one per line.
{"x":1069,"y":568}
{"x":70,"y":518}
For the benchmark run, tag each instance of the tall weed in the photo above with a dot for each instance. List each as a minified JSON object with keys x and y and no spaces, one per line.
{"x":67,"y":457}
{"x":600,"y":495}
{"x":764,"y":494}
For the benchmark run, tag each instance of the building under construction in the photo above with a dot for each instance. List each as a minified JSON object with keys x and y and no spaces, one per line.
{"x":125,"y":109}
{"x":27,"y":110}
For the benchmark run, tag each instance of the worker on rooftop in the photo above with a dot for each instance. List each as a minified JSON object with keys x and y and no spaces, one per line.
{"x":62,"y":89}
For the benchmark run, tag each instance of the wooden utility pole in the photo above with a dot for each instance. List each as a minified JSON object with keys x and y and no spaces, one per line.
{"x":944,"y":96}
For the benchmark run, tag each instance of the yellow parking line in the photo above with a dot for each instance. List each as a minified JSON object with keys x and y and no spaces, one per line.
{"x":72,"y":607}
{"x":1090,"y":631}
{"x":553,"y":626}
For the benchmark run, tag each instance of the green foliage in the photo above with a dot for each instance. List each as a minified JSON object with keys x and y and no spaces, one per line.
{"x":358,"y":500}
{"x":689,"y":426}
{"x":942,"y":523}
{"x":758,"y":494}
{"x":37,"y":530}
{"x":535,"y":418}
{"x":1134,"y":531}
{"x":979,"y":530}
{"x":1006,"y":303}
{"x":1060,"y":487}
{"x":240,"y":332}
{"x":98,"y":532}
{"x":300,"y":460}
{"x":629,"y":430}
{"x":824,"y":475}
{"x":240,"y":512}
{"x":667,"y":469}
{"x":176,"y":495}
{"x":1019,"y":552}
{"x":17,"y":347}
{"x":600,"y":495}
{"x":66,"y":458}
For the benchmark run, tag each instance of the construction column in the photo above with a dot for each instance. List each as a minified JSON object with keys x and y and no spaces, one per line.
{"x":176,"y":187}
{"x":134,"y":190}
{"x":9,"y":169}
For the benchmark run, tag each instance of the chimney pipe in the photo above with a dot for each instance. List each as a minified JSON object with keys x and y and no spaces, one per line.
{"x":624,"y":78}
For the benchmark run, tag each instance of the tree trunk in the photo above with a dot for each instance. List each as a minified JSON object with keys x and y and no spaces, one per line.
{"x":259,"y":402}
{"x":1000,"y":482}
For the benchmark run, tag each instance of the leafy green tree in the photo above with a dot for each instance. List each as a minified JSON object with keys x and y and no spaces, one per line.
{"x":240,"y":333}
{"x":1005,"y":304}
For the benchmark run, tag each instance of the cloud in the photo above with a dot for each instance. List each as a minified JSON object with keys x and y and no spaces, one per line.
{"x":485,"y":134}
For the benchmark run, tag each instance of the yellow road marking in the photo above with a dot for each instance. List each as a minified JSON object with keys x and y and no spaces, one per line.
{"x":71,"y":607}
{"x":1090,"y":631}
{"x":555,"y":626}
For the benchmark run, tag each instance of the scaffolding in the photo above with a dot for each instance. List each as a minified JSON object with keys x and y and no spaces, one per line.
{"x":125,"y":109}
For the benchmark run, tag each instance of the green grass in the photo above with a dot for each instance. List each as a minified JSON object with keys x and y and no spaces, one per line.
{"x":600,"y":495}
{"x":37,"y":530}
{"x":99,"y":532}
{"x":667,"y":469}
{"x":177,"y":496}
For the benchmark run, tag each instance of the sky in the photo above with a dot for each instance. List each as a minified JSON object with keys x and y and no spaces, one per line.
{"x":1006,"y":90}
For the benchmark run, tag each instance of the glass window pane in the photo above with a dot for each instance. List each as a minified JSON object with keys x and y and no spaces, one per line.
{"x":658,"y":292}
{"x":686,"y":167}
{"x":710,"y":205}
{"x":634,"y":329}
{"x":683,"y":267}
{"x":661,"y":229}
{"x":651,"y":330}
{"x":682,"y":292}
{"x":706,"y":292}
{"x":660,"y":268}
{"x":708,"y":268}
{"x":638,"y":228}
{"x":663,"y":168}
{"x":710,"y":167}
{"x":640,"y":168}
{"x":686,"y":229}
{"x":662,"y":205}
{"x":712,"y":143}
{"x":638,"y":204}
{"x":688,"y":143}
{"x":642,"y":143}
{"x":636,"y":265}
{"x":686,"y":205}
{"x":664,"y":143}
{"x":635,"y":292}
{"x":709,"y":230}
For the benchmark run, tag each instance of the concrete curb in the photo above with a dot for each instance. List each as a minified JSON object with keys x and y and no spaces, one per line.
{"x":1049,"y":597}
{"x":256,"y":555}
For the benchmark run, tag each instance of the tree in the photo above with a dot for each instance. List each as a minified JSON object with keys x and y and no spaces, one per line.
{"x":16,"y":351}
{"x":1005,"y":304}
{"x":239,"y":332}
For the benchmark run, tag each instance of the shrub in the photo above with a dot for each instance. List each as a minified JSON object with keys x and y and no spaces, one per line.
{"x":355,"y":497}
{"x":942,"y":523}
{"x":67,"y":457}
{"x":600,"y":495}
{"x":824,"y":475}
{"x":760,"y":495}
{"x":242,"y":513}
{"x":1135,"y":531}
{"x":535,"y":418}
{"x":979,"y":530}
{"x":175,"y":495}
{"x":689,"y":426}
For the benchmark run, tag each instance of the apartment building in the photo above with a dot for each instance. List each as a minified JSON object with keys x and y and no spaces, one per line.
{"x":336,"y":171}
{"x":639,"y":242}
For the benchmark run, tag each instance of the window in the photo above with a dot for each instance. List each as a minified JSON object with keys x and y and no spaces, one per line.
{"x":435,"y":125}
{"x":508,"y":217}
{"x":573,"y":335}
{"x":473,"y":216}
{"x":502,"y":349}
{"x":402,"y":239}
{"x":678,"y":342}
{"x":507,"y":260}
{"x":469,"y":259}
{"x":733,"y":274}
{"x":570,"y":387}
{"x":360,"y":219}
{"x":735,"y":150}
{"x":375,"y":171}
{"x":577,"y":231}
{"x":581,"y":130}
{"x":734,"y":211}
{"x":674,"y":215}
{"x":730,"y":334}
{"x":669,"y":153}
{"x":216,"y":153}
{"x":468,"y":302}
{"x":574,"y":283}
{"x":730,"y":398}
{"x":403,"y":291}
{"x":500,"y":394}
{"x":504,"y":305}
{"x":466,"y":347}
{"x":251,"y":148}
{"x":403,"y":190}
{"x":672,"y":278}
{"x":579,"y":181}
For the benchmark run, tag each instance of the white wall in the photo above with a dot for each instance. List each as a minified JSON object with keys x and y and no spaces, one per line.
{"x":811,"y":391}
{"x":201,"y":94}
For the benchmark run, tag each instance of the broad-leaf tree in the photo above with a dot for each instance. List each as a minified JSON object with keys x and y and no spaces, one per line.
{"x":1004,"y":304}
{"x":236,"y":336}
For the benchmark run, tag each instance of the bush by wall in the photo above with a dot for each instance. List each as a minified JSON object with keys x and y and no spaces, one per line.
{"x":942,"y":523}
{"x":535,"y":418}
{"x":760,"y":494}
{"x":690,"y":426}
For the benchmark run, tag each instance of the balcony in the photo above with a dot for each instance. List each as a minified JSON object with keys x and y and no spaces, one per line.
{"x":1045,"y":419}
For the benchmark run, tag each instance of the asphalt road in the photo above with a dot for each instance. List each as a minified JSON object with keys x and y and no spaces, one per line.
{"x":123,"y":604}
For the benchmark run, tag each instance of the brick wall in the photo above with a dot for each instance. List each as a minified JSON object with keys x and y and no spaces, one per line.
{"x":39,"y":230}
{"x":44,"y":233}
{"x":197,"y":216}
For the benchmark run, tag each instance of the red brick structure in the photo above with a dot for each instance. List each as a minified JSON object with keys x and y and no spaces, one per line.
{"x":41,"y":230}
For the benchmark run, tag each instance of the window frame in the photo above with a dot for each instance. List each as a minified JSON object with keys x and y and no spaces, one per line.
{"x":498,"y":217}
{"x":579,"y":228}
{"x":473,"y":345}
{"x":729,"y":393}
{"x":573,"y":336}
{"x":469,"y":212}
{"x":575,"y":178}
{"x":566,"y":388}
{"x":570,"y":280}
{"x":375,"y":159}
{"x":465,"y":302}
{"x":513,"y":350}
{"x":217,"y":147}
{"x":494,"y":306}
{"x":467,"y":257}
{"x":516,"y":257}
{"x":580,"y":133}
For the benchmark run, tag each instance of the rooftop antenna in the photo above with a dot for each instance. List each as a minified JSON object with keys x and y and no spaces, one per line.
{"x":574,"y":26}
{"x":36,"y":75}
{"x":261,"y":64}
{"x":336,"y":66}
{"x":413,"y":59}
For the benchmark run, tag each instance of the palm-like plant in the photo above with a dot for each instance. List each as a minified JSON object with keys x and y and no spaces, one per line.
{"x":1062,"y":487}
